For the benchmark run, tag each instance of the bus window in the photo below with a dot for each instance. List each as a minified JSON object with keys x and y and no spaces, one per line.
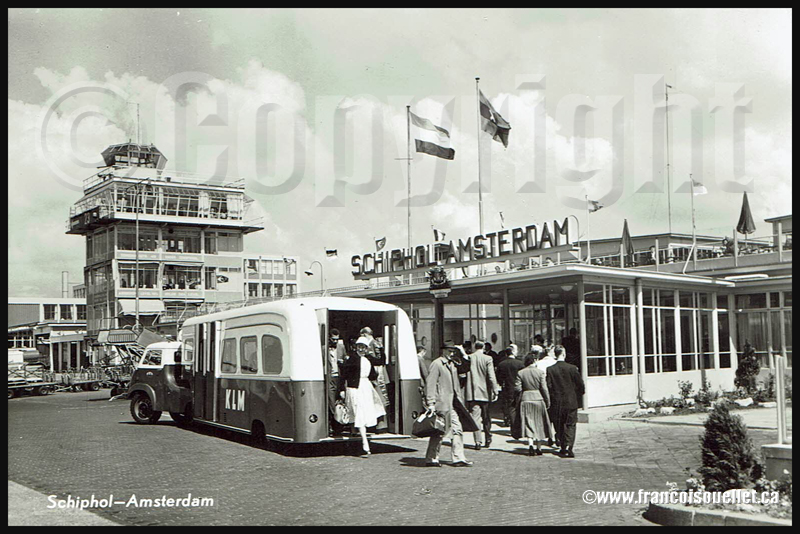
{"x":228,"y":356}
{"x":188,"y":350}
{"x":249,"y":354}
{"x":152,"y":358}
{"x":271,"y":354}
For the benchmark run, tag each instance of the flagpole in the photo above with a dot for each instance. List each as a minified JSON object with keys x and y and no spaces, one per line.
{"x":694,"y":229}
{"x":588,"y":242}
{"x":669,"y":187}
{"x":480,"y":188}
{"x":408,"y":147}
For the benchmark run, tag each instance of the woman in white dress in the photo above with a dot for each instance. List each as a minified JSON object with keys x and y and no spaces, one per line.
{"x":363,"y":409}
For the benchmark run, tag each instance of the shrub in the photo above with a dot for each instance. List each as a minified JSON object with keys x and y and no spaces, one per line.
{"x":706,"y":395}
{"x":747,"y":370}
{"x":766,"y":392}
{"x":686,"y":388}
{"x":728,"y":455}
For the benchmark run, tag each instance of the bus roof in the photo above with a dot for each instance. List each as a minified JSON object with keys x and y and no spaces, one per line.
{"x":289,"y":305}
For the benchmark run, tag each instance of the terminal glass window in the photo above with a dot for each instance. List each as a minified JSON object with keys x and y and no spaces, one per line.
{"x":229,"y":242}
{"x":66,"y":312}
{"x":252,"y":289}
{"x":210,"y":243}
{"x":266,"y":267}
{"x":271,"y":354}
{"x":49,"y":312}
{"x":183,"y":242}
{"x":81,"y":308}
{"x":609,"y":335}
{"x":266,"y":290}
{"x":249,"y":354}
{"x":211,"y":277}
{"x":181,"y":277}
{"x":228,"y":362}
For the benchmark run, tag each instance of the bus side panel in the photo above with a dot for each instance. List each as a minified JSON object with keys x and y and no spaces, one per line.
{"x":271,"y":402}
{"x":411,"y":404}
{"x":311,"y":419}
{"x":235,"y":399}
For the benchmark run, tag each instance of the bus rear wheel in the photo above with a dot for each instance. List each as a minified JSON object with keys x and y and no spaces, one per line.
{"x":142,"y":410}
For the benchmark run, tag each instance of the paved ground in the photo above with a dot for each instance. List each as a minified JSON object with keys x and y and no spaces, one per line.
{"x":80,"y":444}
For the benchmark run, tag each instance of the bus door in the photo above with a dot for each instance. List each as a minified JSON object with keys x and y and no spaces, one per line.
{"x":198,"y":374}
{"x":322,"y":321}
{"x":393,"y":389}
{"x":210,"y":373}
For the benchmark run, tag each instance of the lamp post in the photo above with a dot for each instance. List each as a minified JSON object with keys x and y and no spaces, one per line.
{"x":137,"y":327}
{"x":309,"y":272}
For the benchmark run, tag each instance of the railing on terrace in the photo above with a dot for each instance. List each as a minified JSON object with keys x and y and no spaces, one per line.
{"x":166,"y":175}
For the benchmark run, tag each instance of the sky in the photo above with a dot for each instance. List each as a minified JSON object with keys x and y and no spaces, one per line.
{"x":294,"y":100}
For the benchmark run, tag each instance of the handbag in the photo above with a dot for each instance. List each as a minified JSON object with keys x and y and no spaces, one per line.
{"x":428,"y":424}
{"x":340,"y":413}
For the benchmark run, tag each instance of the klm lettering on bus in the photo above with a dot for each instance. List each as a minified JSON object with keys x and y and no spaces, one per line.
{"x":234,"y":400}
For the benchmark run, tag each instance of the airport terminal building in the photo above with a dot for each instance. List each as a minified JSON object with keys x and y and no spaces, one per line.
{"x":649,"y":311}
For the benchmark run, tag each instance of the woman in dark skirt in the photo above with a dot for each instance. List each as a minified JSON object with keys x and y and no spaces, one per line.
{"x":535,"y":401}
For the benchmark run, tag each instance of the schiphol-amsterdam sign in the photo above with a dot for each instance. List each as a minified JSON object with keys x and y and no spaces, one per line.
{"x":504,"y":245}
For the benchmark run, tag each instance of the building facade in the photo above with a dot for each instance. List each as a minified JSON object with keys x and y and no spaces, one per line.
{"x":645,"y":319}
{"x":49,"y":330}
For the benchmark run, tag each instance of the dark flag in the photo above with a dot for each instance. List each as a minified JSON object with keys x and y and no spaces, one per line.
{"x":627,"y":243}
{"x":492,"y":123}
{"x":331,"y":252}
{"x":746,"y":224}
{"x":380,"y":243}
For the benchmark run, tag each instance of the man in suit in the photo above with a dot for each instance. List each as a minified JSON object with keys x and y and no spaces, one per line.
{"x":566,"y":389}
{"x":442,"y":390}
{"x":482,"y":388}
{"x":507,"y":376}
{"x":572,"y":344}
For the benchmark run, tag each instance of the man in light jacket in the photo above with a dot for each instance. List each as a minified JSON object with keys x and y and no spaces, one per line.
{"x":482,"y":388}
{"x":442,"y":388}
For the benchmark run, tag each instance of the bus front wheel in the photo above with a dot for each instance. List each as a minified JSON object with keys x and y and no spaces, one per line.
{"x":142,"y":410}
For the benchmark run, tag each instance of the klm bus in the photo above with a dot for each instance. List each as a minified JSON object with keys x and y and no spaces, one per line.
{"x":263,"y":369}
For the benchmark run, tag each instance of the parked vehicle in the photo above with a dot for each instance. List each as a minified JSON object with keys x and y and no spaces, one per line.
{"x":263,"y":369}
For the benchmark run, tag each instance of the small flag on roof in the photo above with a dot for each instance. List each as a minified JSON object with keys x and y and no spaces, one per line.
{"x":594,"y":205}
{"x":698,"y":188}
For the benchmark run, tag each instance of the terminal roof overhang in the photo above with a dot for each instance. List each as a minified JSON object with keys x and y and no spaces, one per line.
{"x":540,"y":282}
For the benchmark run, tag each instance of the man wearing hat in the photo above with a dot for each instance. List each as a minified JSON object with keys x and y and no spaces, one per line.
{"x":443,"y":395}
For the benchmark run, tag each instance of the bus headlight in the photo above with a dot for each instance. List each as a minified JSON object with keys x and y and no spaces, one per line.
{"x":414,"y":415}
{"x":313,"y":418}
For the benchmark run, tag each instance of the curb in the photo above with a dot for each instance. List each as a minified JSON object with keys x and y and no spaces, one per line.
{"x":682,"y":423}
{"x":686,"y":516}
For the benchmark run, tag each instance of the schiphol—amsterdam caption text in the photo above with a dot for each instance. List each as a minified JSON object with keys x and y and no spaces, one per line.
{"x":679,"y":497}
{"x":133,"y":501}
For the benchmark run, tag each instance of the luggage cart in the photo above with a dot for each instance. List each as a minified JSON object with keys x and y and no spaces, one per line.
{"x":33,"y":381}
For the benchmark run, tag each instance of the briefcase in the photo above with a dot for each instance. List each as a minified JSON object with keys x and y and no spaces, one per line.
{"x":428,"y":424}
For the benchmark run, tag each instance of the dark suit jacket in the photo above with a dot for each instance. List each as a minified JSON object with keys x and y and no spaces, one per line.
{"x":565,"y":385}
{"x":507,"y":373}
